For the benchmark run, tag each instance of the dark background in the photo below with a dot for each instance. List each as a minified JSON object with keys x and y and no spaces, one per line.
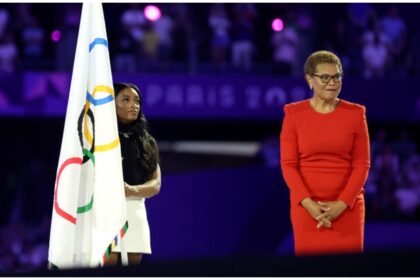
{"x":218,"y":207}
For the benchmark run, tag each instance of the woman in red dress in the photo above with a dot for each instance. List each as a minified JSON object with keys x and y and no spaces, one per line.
{"x":324,"y":152}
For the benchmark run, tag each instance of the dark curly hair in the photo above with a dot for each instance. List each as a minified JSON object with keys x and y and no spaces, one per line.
{"x":147,"y":154}
{"x":320,"y":57}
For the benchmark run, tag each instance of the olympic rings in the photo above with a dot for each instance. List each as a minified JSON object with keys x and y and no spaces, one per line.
{"x":61,"y":212}
{"x":87,"y":153}
{"x":98,"y":41}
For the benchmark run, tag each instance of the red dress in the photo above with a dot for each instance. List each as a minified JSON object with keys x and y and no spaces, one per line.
{"x":326,"y":157}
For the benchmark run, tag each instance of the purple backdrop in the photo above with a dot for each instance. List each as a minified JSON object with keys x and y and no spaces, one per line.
{"x":215,"y":97}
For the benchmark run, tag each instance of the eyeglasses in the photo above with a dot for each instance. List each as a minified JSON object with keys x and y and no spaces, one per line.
{"x":325,"y":78}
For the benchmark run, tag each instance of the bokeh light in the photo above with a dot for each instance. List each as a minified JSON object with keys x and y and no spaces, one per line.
{"x":277,"y":24}
{"x":152,"y":12}
{"x":56,"y":35}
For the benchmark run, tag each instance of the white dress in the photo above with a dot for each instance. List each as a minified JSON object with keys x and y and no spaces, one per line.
{"x":137,"y":237}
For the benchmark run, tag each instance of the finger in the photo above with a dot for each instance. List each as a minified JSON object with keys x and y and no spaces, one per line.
{"x":319,"y":225}
{"x":325,"y":208}
{"x":323,"y":223}
{"x":322,"y":216}
{"x":326,"y":222}
{"x":327,"y":226}
{"x":322,"y":203}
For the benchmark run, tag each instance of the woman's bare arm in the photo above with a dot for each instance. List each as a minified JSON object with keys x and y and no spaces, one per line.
{"x":146,"y":190}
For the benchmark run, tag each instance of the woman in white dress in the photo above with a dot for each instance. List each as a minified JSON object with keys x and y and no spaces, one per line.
{"x":142,"y":179}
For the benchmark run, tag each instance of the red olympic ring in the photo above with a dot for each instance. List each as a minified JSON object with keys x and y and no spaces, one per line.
{"x":61,"y":212}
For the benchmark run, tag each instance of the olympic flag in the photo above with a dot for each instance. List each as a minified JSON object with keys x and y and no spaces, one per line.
{"x":89,"y":212}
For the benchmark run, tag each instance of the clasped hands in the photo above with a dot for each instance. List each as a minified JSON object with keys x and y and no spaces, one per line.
{"x":324,"y":212}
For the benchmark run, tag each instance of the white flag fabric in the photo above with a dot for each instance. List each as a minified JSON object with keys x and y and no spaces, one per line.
{"x":89,"y":212}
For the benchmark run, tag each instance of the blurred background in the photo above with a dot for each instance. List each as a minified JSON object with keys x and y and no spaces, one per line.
{"x":214,"y":78}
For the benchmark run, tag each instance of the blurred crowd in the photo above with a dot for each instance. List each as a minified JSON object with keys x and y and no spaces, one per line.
{"x":373,"y":40}
{"x":393,"y":185}
{"x":24,"y":246}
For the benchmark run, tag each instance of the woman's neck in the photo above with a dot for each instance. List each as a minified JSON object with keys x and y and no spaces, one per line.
{"x":323,"y":105}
